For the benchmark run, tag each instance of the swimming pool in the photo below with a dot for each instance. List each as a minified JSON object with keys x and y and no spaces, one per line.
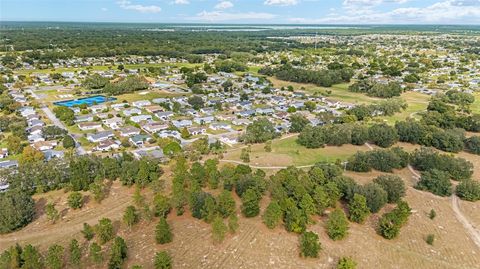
{"x":89,"y":101}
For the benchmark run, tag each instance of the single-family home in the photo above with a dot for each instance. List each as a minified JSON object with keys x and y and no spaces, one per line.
{"x":204,"y":120}
{"x":128,"y":131}
{"x":220,"y":126}
{"x":107,"y":145}
{"x":196,"y":130}
{"x":182,"y":123}
{"x":113,"y":123}
{"x":100,"y":136}
{"x":140,"y":118}
{"x":141,"y":103}
{"x":131,"y":111}
{"x":86,"y":126}
{"x":3,"y":153}
{"x":164,"y":115}
{"x":44,"y":145}
{"x":139,"y":140}
{"x":154,"y":127}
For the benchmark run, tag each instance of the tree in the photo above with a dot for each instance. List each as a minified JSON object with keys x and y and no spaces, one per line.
{"x":104,"y":230}
{"x":472,"y":144}
{"x":358,"y":208}
{"x":196,"y":102}
{"x":75,"y":252}
{"x":468,"y":190}
{"x":272,"y":215}
{"x":390,"y":223}
{"x":245,"y":156}
{"x":219,"y":229}
{"x":162,"y":260}
{"x":393,"y":185}
{"x":54,"y":259}
{"x":17,"y":209}
{"x":98,"y":191}
{"x":436,"y":182}
{"x":11,"y":258}
{"x":383,"y":135}
{"x":268,"y":146}
{"x":118,"y":253}
{"x":309,"y":245}
{"x":163,"y":233}
{"x":30,"y":154}
{"x":130,"y":217}
{"x":75,"y":200}
{"x":432,"y":214}
{"x":261,"y":130}
{"x":346,"y":263}
{"x":88,"y":232}
{"x":250,"y":206}
{"x":31,"y":257}
{"x":233,"y":223}
{"x":95,"y":253}
{"x":52,"y":213}
{"x":376,"y":196}
{"x":298,"y":123}
{"x":172,"y":148}
{"x":225,"y":204}
{"x":68,"y":142}
{"x":14,"y":144}
{"x":337,"y":225}
{"x":161,"y":205}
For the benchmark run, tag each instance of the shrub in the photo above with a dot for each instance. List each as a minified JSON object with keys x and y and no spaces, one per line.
{"x":309,"y":245}
{"x":337,"y":225}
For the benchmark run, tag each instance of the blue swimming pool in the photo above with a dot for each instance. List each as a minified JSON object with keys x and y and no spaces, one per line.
{"x":89,"y":101}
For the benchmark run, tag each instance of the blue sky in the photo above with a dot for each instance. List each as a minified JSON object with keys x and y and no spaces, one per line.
{"x":247,"y":11}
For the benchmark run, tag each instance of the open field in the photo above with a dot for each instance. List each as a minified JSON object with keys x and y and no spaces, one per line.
{"x":255,"y":246}
{"x":287,"y":152}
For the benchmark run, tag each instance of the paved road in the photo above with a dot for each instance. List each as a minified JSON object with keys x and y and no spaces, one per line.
{"x":80,"y":150}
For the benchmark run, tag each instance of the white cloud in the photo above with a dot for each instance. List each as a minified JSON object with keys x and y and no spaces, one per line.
{"x":181,"y":2}
{"x":371,"y":2}
{"x":449,"y":11}
{"x":214,"y":16}
{"x":125,"y":4}
{"x":280,"y":2}
{"x":224,"y":5}
{"x":104,"y":9}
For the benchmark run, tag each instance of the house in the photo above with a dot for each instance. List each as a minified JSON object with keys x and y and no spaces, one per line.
{"x":26,"y":110}
{"x":182,"y":123}
{"x":204,"y":120}
{"x":241,"y":122}
{"x":220,"y":126}
{"x":140,"y":118}
{"x":44,"y":145}
{"x":33,"y":123}
{"x":246,"y":113}
{"x":100,"y":136}
{"x":207,"y":110}
{"x":131,"y":111}
{"x":141,"y":103}
{"x":196,"y":130}
{"x":169,"y":133}
{"x":164,"y":115}
{"x":113,"y":123}
{"x":98,"y":108}
{"x":83,"y":118}
{"x":264,"y":111}
{"x":129,"y":131}
{"x":229,"y":139}
{"x":154,"y":127}
{"x":86,"y":126}
{"x":119,"y":106}
{"x":139,"y":140}
{"x":107,"y":145}
{"x":8,"y":164}
{"x":153,"y":109}
{"x":35,"y":138}
{"x":53,"y":154}
{"x":152,"y":152}
{"x":35,"y":130}
{"x":3,"y":153}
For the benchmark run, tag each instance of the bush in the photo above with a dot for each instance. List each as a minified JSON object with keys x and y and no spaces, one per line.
{"x":219,"y":229}
{"x":104,"y":230}
{"x":430,"y":238}
{"x":337,"y":225}
{"x":346,"y":263}
{"x":383,"y":135}
{"x":358,"y":209}
{"x":16,"y":210}
{"x":130,"y":217}
{"x":118,"y":253}
{"x":436,"y":182}
{"x":309,"y":245}
{"x":162,"y":260}
{"x":75,"y":200}
{"x":468,"y":190}
{"x":472,"y":145}
{"x":375,"y":195}
{"x":390,"y":223}
{"x":250,"y":204}
{"x":163,"y":233}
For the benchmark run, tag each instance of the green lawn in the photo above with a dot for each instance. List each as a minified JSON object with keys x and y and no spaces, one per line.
{"x":476,"y":105}
{"x":287,"y":152}
{"x":136,"y":96}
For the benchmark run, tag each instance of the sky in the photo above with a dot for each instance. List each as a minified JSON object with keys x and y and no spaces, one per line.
{"x":246,"y":11}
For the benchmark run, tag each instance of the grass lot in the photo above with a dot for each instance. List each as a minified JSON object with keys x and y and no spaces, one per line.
{"x":287,"y":152}
{"x":136,"y":96}
{"x":417,"y":102}
{"x":476,"y":105}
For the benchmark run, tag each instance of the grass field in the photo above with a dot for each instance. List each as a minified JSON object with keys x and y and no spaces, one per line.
{"x":287,"y":152}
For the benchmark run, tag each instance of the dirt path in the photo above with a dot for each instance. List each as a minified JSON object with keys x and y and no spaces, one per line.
{"x":474,"y":233}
